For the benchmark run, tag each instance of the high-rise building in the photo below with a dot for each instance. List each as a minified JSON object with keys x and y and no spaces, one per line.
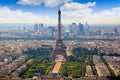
{"x":38,"y":27}
{"x":80,"y":29}
{"x":35,"y":28}
{"x":87,"y":29}
{"x":73,"y":29}
{"x":51,"y":30}
{"x":99,"y":32}
{"x":116,"y":31}
{"x":24,"y":29}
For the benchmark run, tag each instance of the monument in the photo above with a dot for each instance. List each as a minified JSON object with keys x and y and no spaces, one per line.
{"x":59,"y":50}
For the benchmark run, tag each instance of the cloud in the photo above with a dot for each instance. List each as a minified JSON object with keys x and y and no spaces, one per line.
{"x":79,"y":12}
{"x":48,"y":3}
{"x":111,"y":16}
{"x":112,"y":12}
{"x":71,"y":12}
{"x":76,"y":10}
{"x":18,"y":16}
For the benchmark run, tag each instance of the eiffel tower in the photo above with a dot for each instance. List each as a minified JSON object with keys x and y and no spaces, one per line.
{"x":59,"y":47}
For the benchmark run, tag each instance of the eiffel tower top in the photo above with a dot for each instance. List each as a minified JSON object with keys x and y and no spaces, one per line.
{"x":59,"y":25}
{"x":59,"y":11}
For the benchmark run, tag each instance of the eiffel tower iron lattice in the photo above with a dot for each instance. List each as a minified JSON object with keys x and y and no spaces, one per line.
{"x":59,"y":47}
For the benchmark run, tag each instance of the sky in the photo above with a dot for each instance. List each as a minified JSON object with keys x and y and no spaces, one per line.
{"x":45,"y":11}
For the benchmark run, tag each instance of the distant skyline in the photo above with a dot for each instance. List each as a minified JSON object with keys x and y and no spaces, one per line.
{"x":45,"y":11}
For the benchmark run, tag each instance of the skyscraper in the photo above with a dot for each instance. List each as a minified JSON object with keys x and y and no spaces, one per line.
{"x":38,"y":27}
{"x":73,"y":29}
{"x":116,"y":31}
{"x":35,"y":28}
{"x":51,"y":30}
{"x":24,"y":29}
{"x":87,"y":29}
{"x":81,"y":29}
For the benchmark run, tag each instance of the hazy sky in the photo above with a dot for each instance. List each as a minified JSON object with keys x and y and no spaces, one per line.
{"x":45,"y":11}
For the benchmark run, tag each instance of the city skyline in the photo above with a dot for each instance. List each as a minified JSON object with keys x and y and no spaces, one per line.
{"x":44,"y":11}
